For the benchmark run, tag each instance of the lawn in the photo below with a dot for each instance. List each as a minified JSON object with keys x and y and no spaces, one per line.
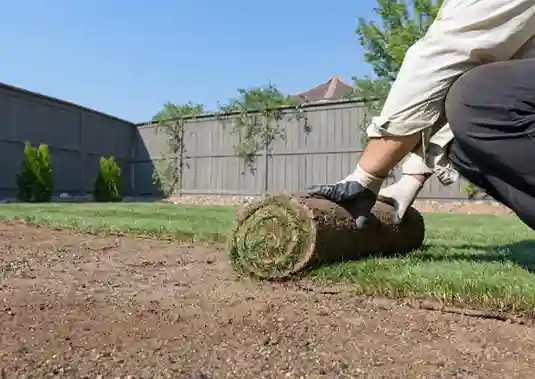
{"x":182,"y":222}
{"x":480,"y":260}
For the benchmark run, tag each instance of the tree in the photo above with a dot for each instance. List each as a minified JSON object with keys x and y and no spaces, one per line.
{"x":257,"y":121}
{"x":170,"y":120}
{"x":401,"y":24}
{"x":172,"y":111}
{"x":258,"y":98}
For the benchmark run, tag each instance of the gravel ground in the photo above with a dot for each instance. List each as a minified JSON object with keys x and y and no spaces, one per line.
{"x":79,"y":306}
{"x":461,"y":206}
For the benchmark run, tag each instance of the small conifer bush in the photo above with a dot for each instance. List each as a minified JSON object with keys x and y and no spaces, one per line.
{"x":34,"y":181}
{"x":108,"y":183}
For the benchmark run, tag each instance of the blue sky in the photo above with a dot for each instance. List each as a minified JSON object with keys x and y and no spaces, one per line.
{"x":127,"y":58}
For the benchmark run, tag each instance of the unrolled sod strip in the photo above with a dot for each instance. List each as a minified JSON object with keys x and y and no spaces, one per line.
{"x":280,"y":236}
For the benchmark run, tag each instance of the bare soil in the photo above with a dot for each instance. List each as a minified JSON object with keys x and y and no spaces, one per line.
{"x":80,"y":306}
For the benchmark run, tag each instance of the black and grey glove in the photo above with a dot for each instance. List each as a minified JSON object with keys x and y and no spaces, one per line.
{"x":353,"y":196}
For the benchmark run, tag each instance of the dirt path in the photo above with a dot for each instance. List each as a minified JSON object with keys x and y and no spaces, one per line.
{"x":82,"y":306}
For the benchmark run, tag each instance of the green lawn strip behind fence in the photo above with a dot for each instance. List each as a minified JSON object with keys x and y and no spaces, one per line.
{"x":479,"y":260}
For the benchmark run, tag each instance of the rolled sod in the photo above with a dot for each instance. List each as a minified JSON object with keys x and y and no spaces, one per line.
{"x":281,"y":236}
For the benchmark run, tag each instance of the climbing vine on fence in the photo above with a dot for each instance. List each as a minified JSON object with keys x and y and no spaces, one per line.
{"x":372,"y":94}
{"x":171,"y":120}
{"x":255,"y":117}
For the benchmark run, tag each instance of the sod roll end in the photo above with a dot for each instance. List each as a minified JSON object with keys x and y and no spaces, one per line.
{"x":281,"y":236}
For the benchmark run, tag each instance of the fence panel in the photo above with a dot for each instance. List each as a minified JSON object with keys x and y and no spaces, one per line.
{"x":76,"y":137}
{"x":211,"y":165}
{"x":320,"y":146}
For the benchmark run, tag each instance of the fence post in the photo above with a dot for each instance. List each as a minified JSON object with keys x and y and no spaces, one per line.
{"x":180,"y":159}
{"x":133,"y":156}
{"x":83,"y":155}
{"x":266,"y":167}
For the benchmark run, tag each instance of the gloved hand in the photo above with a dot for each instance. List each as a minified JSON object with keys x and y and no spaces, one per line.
{"x":357,"y":193}
{"x":401,"y":195}
{"x":357,"y":199}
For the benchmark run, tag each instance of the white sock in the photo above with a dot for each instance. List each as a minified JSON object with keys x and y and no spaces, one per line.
{"x":403,"y":192}
{"x":369,"y":181}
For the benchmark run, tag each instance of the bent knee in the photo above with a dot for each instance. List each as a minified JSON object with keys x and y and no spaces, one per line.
{"x":462,"y":95}
{"x":484,"y":95}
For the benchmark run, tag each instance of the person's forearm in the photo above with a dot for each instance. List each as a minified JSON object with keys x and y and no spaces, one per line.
{"x":382,"y":154}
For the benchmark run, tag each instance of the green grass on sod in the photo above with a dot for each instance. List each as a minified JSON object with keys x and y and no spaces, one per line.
{"x":480,"y":260}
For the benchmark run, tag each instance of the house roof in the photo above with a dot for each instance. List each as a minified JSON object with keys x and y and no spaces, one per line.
{"x":333,"y":89}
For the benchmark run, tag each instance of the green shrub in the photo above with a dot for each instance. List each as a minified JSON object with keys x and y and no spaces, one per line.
{"x":473,"y":192}
{"x":35,"y":182}
{"x":108,"y":184}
